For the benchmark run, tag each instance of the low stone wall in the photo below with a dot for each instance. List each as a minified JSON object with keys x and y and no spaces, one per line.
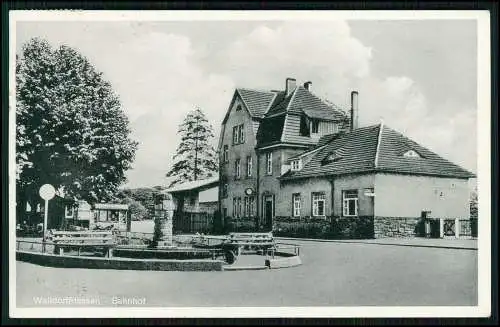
{"x":396,"y":227}
{"x":51,"y":260}
{"x":324,"y":228}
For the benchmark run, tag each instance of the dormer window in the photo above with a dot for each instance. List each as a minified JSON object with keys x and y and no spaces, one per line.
{"x":411,"y":154}
{"x":315,"y":126}
{"x":296,"y":165}
{"x":331,"y":157}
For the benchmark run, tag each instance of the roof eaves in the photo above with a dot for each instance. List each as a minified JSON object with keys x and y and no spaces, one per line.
{"x":244,"y":102}
{"x":292,"y":99}
{"x":283,"y":129}
{"x":300,"y":155}
{"x":381,"y":128}
{"x":271,"y":103}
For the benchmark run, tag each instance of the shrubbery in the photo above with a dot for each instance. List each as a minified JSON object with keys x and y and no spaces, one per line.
{"x":329,"y":228}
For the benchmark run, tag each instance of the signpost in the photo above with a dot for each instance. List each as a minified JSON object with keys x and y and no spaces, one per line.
{"x":47,"y":192}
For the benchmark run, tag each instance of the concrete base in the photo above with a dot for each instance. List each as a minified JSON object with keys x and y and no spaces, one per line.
{"x":283,"y":262}
{"x":66,"y":261}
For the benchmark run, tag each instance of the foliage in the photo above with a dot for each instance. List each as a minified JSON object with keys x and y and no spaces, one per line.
{"x":473,"y":204}
{"x":71,"y":130}
{"x":144,"y":196}
{"x":330,"y":228}
{"x":137,"y":210}
{"x":195,"y":157}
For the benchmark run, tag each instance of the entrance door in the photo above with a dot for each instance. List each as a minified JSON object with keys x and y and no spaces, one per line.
{"x":268,"y":211}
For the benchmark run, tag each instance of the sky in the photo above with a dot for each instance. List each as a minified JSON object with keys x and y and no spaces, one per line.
{"x":417,"y":76}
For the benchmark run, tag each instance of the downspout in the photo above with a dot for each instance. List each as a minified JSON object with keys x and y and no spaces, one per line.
{"x":221,"y":185}
{"x":332,"y":182}
{"x":257,"y":194}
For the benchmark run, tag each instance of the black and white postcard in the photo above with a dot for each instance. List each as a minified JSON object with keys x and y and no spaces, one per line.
{"x":249,"y":163}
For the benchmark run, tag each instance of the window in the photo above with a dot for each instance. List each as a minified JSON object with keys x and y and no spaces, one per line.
{"x":249,"y":166}
{"x":235,"y":135}
{"x":237,"y":170}
{"x":251,"y":205}
{"x":296,"y":165}
{"x":318,"y":203}
{"x":238,"y":107}
{"x":224,"y":212}
{"x":332,"y":157}
{"x":238,"y":211}
{"x":235,"y":207}
{"x":411,"y":154}
{"x":315,"y":126}
{"x":225,"y":154}
{"x":245,"y":206}
{"x":224,"y":190}
{"x":69,"y":212}
{"x":296,"y":204}
{"x":269,"y":163}
{"x":241,"y":132}
{"x":350,"y":203}
{"x":248,"y":206}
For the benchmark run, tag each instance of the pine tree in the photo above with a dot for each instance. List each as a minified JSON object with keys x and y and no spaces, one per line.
{"x":71,"y":130}
{"x":195,"y":157}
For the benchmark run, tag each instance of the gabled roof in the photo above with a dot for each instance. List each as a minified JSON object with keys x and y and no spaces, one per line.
{"x":193,"y":185}
{"x":391,"y":157}
{"x":376,"y":149}
{"x":256,"y":101}
{"x":303,"y":101}
{"x":314,"y":107}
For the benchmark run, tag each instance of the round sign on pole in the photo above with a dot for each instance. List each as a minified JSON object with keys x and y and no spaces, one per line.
{"x":47,"y":192}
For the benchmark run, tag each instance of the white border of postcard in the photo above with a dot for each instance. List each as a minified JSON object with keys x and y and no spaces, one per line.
{"x":483,"y":308}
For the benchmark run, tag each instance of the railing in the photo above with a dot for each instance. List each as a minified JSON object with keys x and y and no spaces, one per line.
{"x":283,"y":248}
{"x":34,"y":246}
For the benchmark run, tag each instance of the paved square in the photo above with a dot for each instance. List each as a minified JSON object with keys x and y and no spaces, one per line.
{"x":332,"y":274}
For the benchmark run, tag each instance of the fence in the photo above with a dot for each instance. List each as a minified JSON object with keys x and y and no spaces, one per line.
{"x":193,"y":222}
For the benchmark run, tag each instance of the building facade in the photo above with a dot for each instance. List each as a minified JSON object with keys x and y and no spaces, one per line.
{"x":194,"y":205}
{"x":309,"y":161}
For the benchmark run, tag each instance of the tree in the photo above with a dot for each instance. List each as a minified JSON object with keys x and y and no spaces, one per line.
{"x":71,"y":130}
{"x":195,"y":157}
{"x":143,"y":195}
{"x":137,"y":210}
{"x":473,"y":204}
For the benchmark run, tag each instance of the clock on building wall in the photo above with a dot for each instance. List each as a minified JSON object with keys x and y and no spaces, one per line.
{"x":249,"y":191}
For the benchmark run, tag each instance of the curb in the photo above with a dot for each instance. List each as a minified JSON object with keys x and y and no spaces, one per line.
{"x":375,"y":243}
{"x":229,"y":268}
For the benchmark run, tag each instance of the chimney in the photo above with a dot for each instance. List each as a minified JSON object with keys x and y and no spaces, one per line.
{"x":291,"y":83}
{"x":354,"y":110}
{"x":308,"y":85}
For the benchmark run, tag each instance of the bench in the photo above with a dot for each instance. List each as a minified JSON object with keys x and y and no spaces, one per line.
{"x":83,"y":240}
{"x":250,"y":241}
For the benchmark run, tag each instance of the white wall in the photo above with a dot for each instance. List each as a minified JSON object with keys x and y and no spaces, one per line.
{"x":408,"y":196}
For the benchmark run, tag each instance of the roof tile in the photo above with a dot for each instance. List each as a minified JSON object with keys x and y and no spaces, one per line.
{"x":358,"y":151}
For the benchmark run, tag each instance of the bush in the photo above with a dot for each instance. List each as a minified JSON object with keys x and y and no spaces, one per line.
{"x":329,"y":228}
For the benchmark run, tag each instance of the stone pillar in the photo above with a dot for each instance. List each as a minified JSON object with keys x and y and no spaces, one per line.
{"x":457,"y":227}
{"x":441,"y":227}
{"x":163,"y":219}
